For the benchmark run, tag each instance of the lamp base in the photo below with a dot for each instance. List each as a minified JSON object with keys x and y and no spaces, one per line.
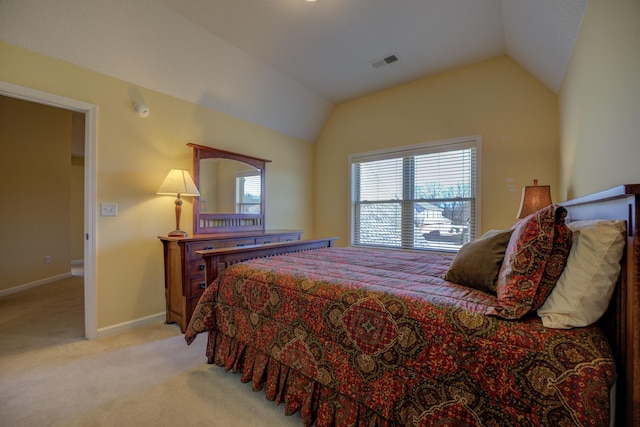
{"x":177,"y":233}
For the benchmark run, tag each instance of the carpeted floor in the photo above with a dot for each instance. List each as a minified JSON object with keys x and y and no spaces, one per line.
{"x":51,"y":376}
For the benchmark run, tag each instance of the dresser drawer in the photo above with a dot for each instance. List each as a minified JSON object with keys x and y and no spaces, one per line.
{"x":267,"y":239}
{"x":200,"y":246}
{"x":277,"y":238}
{"x":236,"y":242}
{"x":198,"y":286}
{"x":196,"y":267}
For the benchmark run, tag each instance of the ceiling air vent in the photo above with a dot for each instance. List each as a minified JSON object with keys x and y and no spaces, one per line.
{"x":377,"y":63}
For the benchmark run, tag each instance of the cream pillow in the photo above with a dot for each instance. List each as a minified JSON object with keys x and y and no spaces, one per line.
{"x":583,"y":291}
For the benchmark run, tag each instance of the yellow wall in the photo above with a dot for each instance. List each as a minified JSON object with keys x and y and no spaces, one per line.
{"x":515,"y":114}
{"x":133,"y":157}
{"x":582,"y":141}
{"x":600,"y":101}
{"x":36,"y":191}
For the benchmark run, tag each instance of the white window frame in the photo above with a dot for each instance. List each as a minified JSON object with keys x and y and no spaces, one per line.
{"x":403,"y":151}
{"x":240,"y":204}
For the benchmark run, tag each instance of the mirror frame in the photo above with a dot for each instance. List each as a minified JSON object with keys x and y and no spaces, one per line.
{"x":210,"y":223}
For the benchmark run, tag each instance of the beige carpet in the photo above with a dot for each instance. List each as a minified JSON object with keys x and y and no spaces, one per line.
{"x":51,"y":376}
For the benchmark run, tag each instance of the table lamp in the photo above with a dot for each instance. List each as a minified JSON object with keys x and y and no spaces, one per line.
{"x":178,"y":183}
{"x":534,"y":198}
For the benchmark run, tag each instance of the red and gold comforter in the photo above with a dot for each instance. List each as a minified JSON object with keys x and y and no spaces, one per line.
{"x":352,"y":336}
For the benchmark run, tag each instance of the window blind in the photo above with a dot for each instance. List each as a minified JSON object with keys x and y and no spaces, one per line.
{"x":420,"y":197}
{"x":248,"y":186}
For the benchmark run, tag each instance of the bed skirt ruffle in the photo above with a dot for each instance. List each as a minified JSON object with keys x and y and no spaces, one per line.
{"x":318,"y":405}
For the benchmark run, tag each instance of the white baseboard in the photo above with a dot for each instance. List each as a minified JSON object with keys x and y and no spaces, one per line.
{"x":121,"y":327}
{"x":40,"y":282}
{"x":75,"y":262}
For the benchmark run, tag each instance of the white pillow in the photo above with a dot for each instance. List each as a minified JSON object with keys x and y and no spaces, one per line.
{"x":583,"y":291}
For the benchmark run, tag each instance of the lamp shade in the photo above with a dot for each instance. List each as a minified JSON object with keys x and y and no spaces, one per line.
{"x":534,"y":198}
{"x":178,"y":182}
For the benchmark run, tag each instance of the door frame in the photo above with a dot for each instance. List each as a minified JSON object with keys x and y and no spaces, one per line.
{"x":90,"y":189}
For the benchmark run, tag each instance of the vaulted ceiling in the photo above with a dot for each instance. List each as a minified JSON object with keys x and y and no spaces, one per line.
{"x":285,"y":63}
{"x":329,"y":45}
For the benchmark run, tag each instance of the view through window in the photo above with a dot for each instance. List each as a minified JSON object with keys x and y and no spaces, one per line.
{"x":419,"y":197}
{"x":248,"y":192}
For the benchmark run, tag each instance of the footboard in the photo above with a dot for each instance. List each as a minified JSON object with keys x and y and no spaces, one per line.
{"x":217,"y":260}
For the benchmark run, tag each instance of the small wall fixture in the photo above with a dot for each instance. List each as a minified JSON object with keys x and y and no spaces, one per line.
{"x":178,"y":182}
{"x":534,"y":198}
{"x":141,"y":110}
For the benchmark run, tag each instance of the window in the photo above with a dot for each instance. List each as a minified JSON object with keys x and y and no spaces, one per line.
{"x":248,"y":192}
{"x":419,"y":197}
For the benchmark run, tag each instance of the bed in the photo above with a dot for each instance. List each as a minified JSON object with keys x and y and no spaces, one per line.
{"x":371,"y":337}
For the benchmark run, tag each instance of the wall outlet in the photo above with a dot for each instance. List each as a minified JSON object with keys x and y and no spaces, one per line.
{"x":47,"y":259}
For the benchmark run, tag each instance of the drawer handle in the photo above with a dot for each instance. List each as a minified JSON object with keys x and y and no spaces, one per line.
{"x":289,"y":240}
{"x":206,"y":248}
{"x":240,"y":244}
{"x":203,"y":285}
{"x":267,"y":241}
{"x":201,"y":266}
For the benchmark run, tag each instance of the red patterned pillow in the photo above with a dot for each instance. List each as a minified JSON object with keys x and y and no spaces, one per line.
{"x":562,"y":239}
{"x":535,"y":257}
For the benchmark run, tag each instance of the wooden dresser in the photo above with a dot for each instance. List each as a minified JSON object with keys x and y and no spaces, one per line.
{"x":184,"y":269}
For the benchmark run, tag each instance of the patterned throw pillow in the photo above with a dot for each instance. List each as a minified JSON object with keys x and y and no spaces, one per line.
{"x":562,"y":240}
{"x":535,"y":257}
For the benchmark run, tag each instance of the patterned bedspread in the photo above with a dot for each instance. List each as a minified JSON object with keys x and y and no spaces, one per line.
{"x":351,"y":336}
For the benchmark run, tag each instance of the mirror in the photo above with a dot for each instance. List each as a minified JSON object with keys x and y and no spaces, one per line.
{"x":232,"y":188}
{"x":229,"y":186}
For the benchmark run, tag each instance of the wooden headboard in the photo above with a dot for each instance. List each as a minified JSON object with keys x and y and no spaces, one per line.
{"x":621,"y":322}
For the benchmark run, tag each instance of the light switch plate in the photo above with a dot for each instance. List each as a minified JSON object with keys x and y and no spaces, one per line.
{"x":109,"y":209}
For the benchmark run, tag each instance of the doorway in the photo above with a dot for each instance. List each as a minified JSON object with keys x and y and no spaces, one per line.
{"x":90,"y":201}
